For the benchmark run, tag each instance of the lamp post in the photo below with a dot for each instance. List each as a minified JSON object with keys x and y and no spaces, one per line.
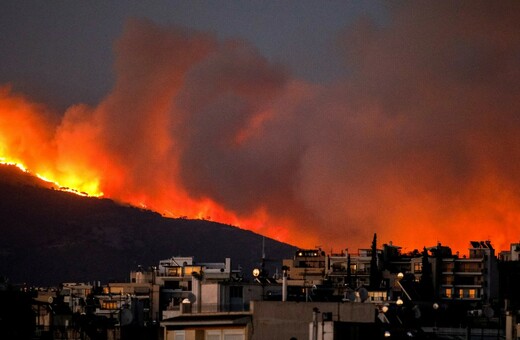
{"x":315,"y":312}
{"x":399,"y":278}
{"x":284,"y":283}
{"x":435,"y":312}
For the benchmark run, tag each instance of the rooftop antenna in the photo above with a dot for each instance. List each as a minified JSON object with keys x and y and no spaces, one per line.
{"x":263,"y":248}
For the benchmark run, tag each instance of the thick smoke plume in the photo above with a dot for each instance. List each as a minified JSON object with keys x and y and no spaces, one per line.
{"x":419,"y":143}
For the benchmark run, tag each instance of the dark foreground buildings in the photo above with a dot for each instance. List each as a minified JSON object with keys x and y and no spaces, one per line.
{"x":369,"y":294}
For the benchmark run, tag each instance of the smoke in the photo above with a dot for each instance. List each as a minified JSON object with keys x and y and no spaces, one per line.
{"x":419,"y":142}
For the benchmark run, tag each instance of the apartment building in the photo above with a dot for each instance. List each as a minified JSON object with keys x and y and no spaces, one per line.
{"x":467,"y":278}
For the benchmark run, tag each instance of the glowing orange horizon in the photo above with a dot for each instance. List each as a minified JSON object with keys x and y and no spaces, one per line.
{"x":205,"y":209}
{"x":198,"y":128}
{"x":180,"y":205}
{"x":208,"y":210}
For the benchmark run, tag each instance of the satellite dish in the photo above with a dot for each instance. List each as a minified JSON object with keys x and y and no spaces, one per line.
{"x":489,"y":312}
{"x":416,"y":312}
{"x":363,"y":294}
{"x":126,"y":317}
{"x":352,"y":296}
{"x":192,"y":298}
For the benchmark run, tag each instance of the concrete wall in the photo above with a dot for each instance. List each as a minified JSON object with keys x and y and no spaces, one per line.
{"x":209,"y":297}
{"x":283,"y":320}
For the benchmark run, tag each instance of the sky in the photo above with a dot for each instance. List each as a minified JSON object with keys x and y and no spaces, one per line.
{"x":61,"y":52}
{"x":314,"y":123}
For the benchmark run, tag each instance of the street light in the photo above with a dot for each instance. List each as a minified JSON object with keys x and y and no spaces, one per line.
{"x":400,"y":276}
{"x":435,"y":308}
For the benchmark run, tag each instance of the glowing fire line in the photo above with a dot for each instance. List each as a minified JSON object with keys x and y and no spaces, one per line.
{"x":22,"y":167}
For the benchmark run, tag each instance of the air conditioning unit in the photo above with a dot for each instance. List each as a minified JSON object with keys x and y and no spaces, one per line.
{"x":327,"y":316}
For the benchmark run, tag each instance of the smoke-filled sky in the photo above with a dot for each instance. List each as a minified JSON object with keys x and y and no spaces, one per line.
{"x":313,"y":123}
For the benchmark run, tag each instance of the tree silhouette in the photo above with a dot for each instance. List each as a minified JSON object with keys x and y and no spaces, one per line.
{"x":375,"y":273}
{"x":426,"y":281}
{"x":349,"y":272}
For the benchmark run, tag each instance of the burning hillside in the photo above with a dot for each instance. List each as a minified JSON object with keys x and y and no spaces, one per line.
{"x":419,"y":143}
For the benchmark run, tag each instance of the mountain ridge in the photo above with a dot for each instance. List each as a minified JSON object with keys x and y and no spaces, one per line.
{"x":50,"y":236}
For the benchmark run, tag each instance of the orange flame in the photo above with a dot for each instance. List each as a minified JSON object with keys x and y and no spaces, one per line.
{"x":419,"y":144}
{"x":65,"y":160}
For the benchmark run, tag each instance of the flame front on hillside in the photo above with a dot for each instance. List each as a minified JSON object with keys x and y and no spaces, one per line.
{"x":419,"y":143}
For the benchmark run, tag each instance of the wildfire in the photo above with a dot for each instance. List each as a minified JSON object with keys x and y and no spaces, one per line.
{"x":56,"y":184}
{"x":68,"y":155}
{"x":417,"y":141}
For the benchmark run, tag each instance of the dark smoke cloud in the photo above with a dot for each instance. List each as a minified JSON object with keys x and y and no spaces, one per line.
{"x":421,"y":136}
{"x":419,"y":143}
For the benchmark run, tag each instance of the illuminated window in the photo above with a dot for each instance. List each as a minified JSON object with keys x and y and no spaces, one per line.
{"x":472,"y":293}
{"x":109,"y":305}
{"x":113,"y":290}
{"x":377,"y":296}
{"x":417,"y":267}
{"x":447,"y":293}
{"x":188,"y":270}
{"x":175,"y":271}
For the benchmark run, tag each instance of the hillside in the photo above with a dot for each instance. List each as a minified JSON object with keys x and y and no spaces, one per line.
{"x":49,"y":236}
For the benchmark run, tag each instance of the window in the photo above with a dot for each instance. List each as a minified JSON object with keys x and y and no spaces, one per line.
{"x":447,"y":293}
{"x":377,"y":296}
{"x":225,"y":334}
{"x":179,"y":335}
{"x":468,"y":293}
{"x":235,"y":292}
{"x":447,"y":280}
{"x":338,"y":267}
{"x":233,"y":336}
{"x":188,"y":270}
{"x":171,"y":284}
{"x":417,"y":267}
{"x":447,"y":266}
{"x":469,"y":267}
{"x":109,"y":305}
{"x":213,"y":335}
{"x":467,"y":280}
{"x":174,"y":271}
{"x":363,"y":268}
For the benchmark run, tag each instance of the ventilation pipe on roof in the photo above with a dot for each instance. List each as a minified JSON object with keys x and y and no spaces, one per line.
{"x":284,"y":283}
